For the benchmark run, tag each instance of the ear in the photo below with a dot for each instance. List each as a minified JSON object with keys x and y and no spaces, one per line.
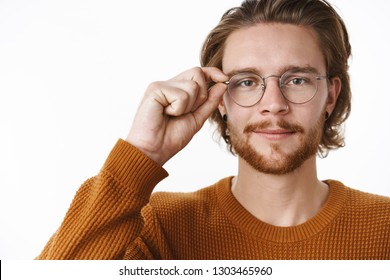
{"x":333,"y":94}
{"x":221,"y":107}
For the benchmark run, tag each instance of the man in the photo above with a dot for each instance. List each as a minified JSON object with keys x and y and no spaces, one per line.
{"x":275,"y":81}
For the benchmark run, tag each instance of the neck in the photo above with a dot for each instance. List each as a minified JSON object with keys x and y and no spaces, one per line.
{"x":280,"y":200}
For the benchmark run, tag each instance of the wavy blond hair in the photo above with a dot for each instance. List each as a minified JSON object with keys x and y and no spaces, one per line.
{"x":333,"y":40}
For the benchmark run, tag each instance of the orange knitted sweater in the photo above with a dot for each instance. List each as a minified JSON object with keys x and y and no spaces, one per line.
{"x":115,"y":216}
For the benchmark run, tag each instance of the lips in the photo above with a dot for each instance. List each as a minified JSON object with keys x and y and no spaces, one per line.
{"x":274,"y":131}
{"x":282,"y":128}
{"x":274,"y":134}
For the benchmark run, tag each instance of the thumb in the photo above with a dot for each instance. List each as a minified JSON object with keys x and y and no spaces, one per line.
{"x":215,"y":95}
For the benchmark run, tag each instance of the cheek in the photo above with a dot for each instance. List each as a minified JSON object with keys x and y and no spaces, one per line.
{"x":237,"y":116}
{"x":316,"y":107}
{"x":310,"y":116}
{"x":322,"y":96}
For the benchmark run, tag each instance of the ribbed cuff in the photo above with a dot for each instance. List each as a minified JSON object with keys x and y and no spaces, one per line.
{"x":132,"y":168}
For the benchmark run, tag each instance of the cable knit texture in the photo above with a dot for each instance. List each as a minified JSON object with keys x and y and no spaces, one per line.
{"x":115,"y":216}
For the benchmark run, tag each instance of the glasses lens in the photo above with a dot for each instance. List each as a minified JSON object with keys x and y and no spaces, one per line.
{"x":246,"y":89}
{"x":299,"y":87}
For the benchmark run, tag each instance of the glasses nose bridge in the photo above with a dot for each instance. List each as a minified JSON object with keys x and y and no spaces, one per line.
{"x":272,"y":76}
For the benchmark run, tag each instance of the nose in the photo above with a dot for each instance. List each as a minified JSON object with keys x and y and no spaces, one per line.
{"x":273,"y":101}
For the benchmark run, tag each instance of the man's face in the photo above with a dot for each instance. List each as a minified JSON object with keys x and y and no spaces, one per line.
{"x":276,"y":136}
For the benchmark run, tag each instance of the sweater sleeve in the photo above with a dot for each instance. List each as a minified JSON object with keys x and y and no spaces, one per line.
{"x":105,"y":215}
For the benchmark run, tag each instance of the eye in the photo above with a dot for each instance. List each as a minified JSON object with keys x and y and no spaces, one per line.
{"x":296,"y":81}
{"x":246,"y":83}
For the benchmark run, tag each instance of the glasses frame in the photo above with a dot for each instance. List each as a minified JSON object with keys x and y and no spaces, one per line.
{"x":280,"y":78}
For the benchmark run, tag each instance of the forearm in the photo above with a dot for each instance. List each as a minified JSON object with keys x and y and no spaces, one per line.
{"x":104,"y":216}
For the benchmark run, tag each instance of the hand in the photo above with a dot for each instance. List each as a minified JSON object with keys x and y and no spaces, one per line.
{"x":173,"y":111}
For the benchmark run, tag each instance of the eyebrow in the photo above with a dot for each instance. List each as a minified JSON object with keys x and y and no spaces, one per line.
{"x":293,"y":68}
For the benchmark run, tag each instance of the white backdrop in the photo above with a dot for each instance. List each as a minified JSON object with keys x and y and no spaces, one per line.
{"x":71,"y":76}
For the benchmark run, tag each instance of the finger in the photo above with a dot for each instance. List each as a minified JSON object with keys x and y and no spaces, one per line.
{"x":213,"y":74}
{"x":196,"y":75}
{"x":192,"y":90}
{"x":172,"y":98}
{"x":207,"y":108}
{"x":205,"y":74}
{"x":200,"y":78}
{"x":178,"y":100}
{"x":203,"y":77}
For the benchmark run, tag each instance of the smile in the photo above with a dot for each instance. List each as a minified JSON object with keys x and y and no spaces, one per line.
{"x":274,"y":134}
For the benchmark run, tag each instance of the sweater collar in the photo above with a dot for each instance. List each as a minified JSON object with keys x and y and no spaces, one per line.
{"x":238,"y":215}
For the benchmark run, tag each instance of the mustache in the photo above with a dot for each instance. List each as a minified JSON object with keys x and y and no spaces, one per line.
{"x":268,"y":124}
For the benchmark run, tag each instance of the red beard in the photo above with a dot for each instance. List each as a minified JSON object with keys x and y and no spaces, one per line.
{"x":285,"y":162}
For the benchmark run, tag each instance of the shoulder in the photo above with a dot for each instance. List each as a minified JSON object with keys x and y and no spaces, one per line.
{"x":367,"y":204}
{"x":202,"y":200}
{"x":369,"y":199}
{"x":372,"y":205}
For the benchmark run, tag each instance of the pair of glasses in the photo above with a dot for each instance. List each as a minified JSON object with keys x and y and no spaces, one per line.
{"x":297,"y":86}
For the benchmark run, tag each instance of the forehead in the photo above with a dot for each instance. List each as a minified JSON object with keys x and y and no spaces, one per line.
{"x":269,"y":48}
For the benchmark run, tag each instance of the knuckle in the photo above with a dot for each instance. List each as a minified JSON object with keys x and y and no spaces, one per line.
{"x":197,"y":74}
{"x":193,"y":87}
{"x":204,"y":96}
{"x":197,"y":70}
{"x":184,"y":98}
{"x":154,"y":86}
